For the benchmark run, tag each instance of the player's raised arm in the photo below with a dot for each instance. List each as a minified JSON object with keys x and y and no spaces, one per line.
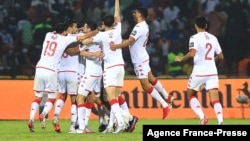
{"x":117,"y":11}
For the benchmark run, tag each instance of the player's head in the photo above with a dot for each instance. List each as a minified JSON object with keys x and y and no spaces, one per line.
{"x":200,"y":22}
{"x":100,"y":26}
{"x":140,"y":13}
{"x":61,"y":28}
{"x":89,"y":26}
{"x":108,"y":20}
{"x":72,"y":25}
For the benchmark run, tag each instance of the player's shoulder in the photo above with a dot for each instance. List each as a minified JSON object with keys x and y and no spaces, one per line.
{"x":141,"y":24}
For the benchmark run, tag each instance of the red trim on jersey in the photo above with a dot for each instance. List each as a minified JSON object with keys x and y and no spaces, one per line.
{"x":206,"y":75}
{"x":67,"y":71}
{"x":145,"y":61}
{"x":115,"y":66}
{"x":114,"y":86}
{"x":45,"y":68}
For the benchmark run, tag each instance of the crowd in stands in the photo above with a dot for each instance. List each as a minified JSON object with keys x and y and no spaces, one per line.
{"x":23,"y":25}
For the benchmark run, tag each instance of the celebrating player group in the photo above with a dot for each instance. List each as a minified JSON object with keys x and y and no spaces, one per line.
{"x":79,"y":62}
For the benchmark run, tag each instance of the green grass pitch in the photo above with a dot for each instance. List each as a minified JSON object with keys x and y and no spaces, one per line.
{"x":18,"y":130}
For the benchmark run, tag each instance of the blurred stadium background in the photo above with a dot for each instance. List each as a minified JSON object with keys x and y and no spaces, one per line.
{"x":23,"y":24}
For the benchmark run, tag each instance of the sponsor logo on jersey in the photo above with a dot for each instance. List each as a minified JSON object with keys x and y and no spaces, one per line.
{"x":134,"y":32}
{"x":191,"y":44}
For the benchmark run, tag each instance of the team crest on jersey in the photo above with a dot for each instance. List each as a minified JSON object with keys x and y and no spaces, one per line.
{"x":54,"y":36}
{"x":134,"y":32}
{"x":191,"y":44}
{"x":110,"y":35}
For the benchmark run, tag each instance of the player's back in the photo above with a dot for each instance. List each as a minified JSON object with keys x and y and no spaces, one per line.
{"x":53,"y":48}
{"x":69,"y":62}
{"x":111,"y":58}
{"x":93,"y":64}
{"x":206,"y":46}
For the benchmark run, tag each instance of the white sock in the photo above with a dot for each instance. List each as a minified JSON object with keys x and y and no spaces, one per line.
{"x":58,"y":108}
{"x":158,"y":86}
{"x":218,"y":112}
{"x":73,"y":114}
{"x":117,"y":113}
{"x":196,"y":107}
{"x":126,"y":115}
{"x":158,"y":97}
{"x":80,"y":113}
{"x":47,"y":108}
{"x":111,"y":119}
{"x":33,"y":110}
{"x":87,"y":115}
{"x":124,"y":106}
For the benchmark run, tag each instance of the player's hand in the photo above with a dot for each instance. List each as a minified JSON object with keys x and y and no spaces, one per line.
{"x":99,"y":54}
{"x":112,"y":46}
{"x":178,"y":58}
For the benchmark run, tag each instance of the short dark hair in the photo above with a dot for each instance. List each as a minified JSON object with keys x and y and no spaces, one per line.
{"x":143,"y":11}
{"x":201,"y":21}
{"x":108,"y":20}
{"x":91,"y":25}
{"x":70,"y":22}
{"x":61,"y":27}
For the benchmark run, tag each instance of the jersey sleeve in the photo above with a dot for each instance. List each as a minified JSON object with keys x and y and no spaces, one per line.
{"x":118,"y":27}
{"x":192,"y":43}
{"x":218,"y":49}
{"x":98,"y":37}
{"x":135,"y":33}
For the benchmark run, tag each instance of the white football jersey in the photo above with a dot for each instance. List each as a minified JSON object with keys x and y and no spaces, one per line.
{"x":138,"y":50}
{"x":53,"y":49}
{"x":93,"y":64}
{"x":111,"y":58}
{"x":206,"y":46}
{"x":68,"y":62}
